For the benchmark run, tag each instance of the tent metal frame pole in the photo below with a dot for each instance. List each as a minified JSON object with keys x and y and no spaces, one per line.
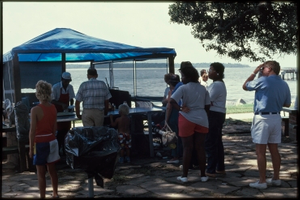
{"x":63,"y":62}
{"x":171,"y":64}
{"x":111,"y":75}
{"x":17,"y":78}
{"x":134,"y":79}
{"x":91,"y":187}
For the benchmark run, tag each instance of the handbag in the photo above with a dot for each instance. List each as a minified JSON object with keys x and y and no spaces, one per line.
{"x":169,"y":137}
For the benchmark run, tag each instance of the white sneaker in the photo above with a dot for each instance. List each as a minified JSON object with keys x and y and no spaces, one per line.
{"x":270,"y":181}
{"x":204,"y":178}
{"x":258,"y":185}
{"x":182,"y":179}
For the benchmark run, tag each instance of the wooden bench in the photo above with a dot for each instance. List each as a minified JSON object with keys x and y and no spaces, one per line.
{"x":21,"y":149}
{"x":290,"y":121}
{"x":8,"y":150}
{"x":285,"y":120}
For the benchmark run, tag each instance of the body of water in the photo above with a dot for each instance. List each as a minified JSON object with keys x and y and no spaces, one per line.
{"x":150,"y":81}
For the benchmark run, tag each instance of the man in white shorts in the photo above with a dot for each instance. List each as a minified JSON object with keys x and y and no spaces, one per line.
{"x":271,"y":94}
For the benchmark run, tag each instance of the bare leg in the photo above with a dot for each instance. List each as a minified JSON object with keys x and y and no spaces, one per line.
{"x":54,"y":179}
{"x":187,"y":143}
{"x":261,"y":161}
{"x":276,"y":159}
{"x":41,"y":172}
{"x":199,"y":139}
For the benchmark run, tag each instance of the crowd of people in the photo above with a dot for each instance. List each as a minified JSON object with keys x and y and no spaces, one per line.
{"x":195,"y":110}
{"x":194,"y":103}
{"x":46,"y":135}
{"x":202,"y":111}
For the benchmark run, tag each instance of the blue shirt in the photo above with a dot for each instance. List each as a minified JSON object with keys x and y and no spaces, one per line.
{"x":271,"y":93}
{"x":177,"y":86}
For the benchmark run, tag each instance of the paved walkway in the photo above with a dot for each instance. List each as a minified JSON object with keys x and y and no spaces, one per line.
{"x":153,"y":177}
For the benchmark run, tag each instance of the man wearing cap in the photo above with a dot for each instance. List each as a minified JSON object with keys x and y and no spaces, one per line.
{"x":62,"y":95}
{"x":95,"y":96}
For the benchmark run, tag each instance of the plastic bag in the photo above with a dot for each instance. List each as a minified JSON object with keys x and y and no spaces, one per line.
{"x":22,"y":122}
{"x":9,"y":112}
{"x":94,"y":149}
{"x":169,"y":137}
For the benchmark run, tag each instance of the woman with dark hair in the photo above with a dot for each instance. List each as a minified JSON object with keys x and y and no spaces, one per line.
{"x":171,"y":80}
{"x":213,"y":142}
{"x":192,"y":119}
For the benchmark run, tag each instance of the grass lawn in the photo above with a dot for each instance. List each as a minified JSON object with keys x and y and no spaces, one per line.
{"x":245,"y":108}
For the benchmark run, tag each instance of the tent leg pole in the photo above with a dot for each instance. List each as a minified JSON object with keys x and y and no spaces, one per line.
{"x":91,"y":187}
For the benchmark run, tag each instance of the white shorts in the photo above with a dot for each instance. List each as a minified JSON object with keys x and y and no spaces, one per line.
{"x":266,"y":129}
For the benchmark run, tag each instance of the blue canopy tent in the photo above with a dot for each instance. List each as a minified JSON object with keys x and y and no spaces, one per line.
{"x":44,"y":57}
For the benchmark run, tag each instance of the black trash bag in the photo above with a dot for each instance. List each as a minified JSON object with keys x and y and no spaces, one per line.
{"x":22,"y":122}
{"x":8,"y":112}
{"x":94,"y":149}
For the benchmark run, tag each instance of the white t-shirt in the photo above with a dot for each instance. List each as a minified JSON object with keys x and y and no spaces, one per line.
{"x":58,"y":87}
{"x":195,"y":97}
{"x":167,"y":92}
{"x":218,"y":94}
{"x":204,"y":83}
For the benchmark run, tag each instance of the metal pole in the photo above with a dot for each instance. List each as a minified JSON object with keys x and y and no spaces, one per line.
{"x":134,"y":79}
{"x":91,"y":187}
{"x":111,"y":75}
{"x":149,"y":116}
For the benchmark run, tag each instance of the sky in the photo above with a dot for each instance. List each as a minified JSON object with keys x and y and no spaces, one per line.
{"x":133,"y":23}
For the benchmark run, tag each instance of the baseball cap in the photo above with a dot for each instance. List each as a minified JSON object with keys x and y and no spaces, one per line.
{"x":66,"y":76}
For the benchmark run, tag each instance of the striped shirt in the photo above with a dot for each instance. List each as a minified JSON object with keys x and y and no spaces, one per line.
{"x":93,"y":94}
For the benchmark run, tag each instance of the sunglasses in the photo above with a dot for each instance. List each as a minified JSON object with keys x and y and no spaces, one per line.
{"x":263,"y":67}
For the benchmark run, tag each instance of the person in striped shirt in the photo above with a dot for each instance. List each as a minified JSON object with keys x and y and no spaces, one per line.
{"x":95,"y":96}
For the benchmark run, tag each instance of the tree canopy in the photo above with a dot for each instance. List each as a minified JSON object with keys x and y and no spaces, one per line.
{"x":251,"y":29}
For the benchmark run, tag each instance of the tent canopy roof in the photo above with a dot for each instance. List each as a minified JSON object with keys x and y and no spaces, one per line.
{"x":80,"y":47}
